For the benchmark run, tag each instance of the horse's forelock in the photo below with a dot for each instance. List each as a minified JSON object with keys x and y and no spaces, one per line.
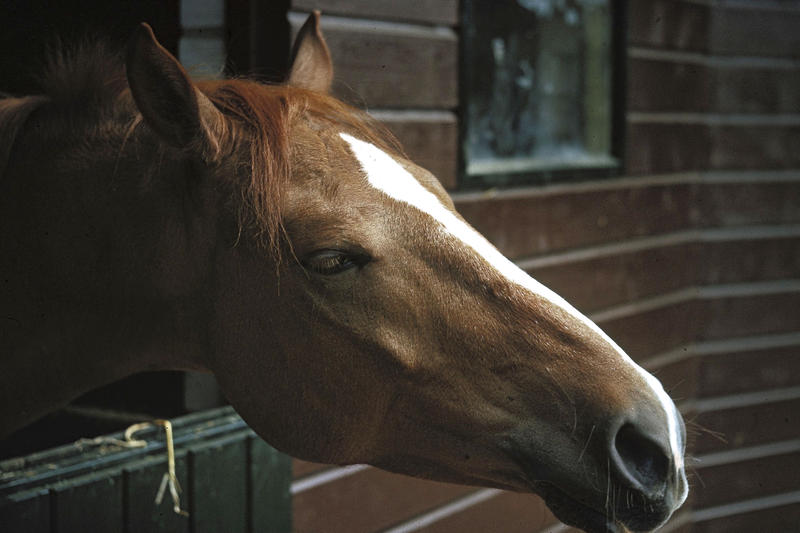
{"x":266,"y":113}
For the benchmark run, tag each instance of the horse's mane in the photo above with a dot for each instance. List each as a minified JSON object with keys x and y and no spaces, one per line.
{"x":90,"y":78}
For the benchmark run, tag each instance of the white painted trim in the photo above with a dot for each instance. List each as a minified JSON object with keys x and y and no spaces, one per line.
{"x":757,"y":5}
{"x":736,"y":233}
{"x":631,"y":182}
{"x":725,"y":346}
{"x":714,"y":61}
{"x":746,"y":454}
{"x":627,"y":182}
{"x":706,"y":292}
{"x":674,"y":56}
{"x":400,"y":29}
{"x":749,"y":233}
{"x":747,"y":399}
{"x":413,"y":115}
{"x":327,"y":476}
{"x":746,"y":506}
{"x":747,"y":344}
{"x":744,"y":290}
{"x":516,"y":165}
{"x":445,"y":511}
{"x":645,"y":304}
{"x":759,"y":177}
{"x":587,"y":253}
{"x":669,"y":357}
{"x":714,"y":119}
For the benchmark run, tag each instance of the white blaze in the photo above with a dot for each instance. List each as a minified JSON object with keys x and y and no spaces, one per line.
{"x":388,"y":176}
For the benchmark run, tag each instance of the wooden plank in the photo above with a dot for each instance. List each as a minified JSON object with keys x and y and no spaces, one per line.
{"x":142,"y":481}
{"x":746,"y":479}
{"x":731,"y":373}
{"x":748,"y":426}
{"x":657,"y":147}
{"x":89,"y":503}
{"x":755,"y":32}
{"x":424,"y":11}
{"x":757,"y":90}
{"x":668,"y":86}
{"x":755,"y":147}
{"x":430,"y":138}
{"x":610,"y":280}
{"x":508,"y":512}
{"x":780,"y":518}
{"x":749,"y":260}
{"x":651,"y":332}
{"x":669,"y":24}
{"x":759,"y":314}
{"x":27,"y":511}
{"x":270,"y":500}
{"x":524,"y":225}
{"x":217,"y":484}
{"x":370,"y":500}
{"x":118,"y":485}
{"x":380,"y":64}
{"x":734,"y":204}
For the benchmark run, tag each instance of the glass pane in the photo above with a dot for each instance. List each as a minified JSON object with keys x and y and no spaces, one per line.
{"x":538,"y":85}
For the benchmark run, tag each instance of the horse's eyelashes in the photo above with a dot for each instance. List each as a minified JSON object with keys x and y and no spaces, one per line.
{"x":331,"y":262}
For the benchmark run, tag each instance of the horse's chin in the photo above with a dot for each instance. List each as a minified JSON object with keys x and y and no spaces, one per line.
{"x":575,"y":514}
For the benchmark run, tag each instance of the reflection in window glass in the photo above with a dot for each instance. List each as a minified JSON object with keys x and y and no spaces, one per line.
{"x":538,"y":86}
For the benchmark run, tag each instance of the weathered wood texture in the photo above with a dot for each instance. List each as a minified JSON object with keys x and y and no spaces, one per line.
{"x":399,"y":61}
{"x":231,"y":480}
{"x":370,"y":500}
{"x":669,"y":24}
{"x":444,"y":12}
{"x":384,"y":64}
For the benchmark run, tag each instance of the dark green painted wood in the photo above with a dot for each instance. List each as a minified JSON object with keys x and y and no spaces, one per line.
{"x":270,"y":498}
{"x":26,"y":512}
{"x":142,"y":480}
{"x":232,"y":482}
{"x":218,"y":485}
{"x":91,"y":503}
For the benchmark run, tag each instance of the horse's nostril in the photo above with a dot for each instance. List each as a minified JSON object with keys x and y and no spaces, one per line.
{"x":640,"y":459}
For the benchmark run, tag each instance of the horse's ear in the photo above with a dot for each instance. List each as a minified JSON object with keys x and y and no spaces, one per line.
{"x":167,"y":99}
{"x":311,"y":60}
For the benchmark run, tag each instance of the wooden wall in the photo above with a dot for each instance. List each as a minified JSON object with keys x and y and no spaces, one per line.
{"x":690,"y":259}
{"x":399,"y":60}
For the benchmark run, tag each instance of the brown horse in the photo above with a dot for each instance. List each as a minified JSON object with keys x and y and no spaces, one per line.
{"x":280,"y":239}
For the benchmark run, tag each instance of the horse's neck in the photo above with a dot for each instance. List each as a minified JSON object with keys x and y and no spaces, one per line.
{"x":79,"y":303}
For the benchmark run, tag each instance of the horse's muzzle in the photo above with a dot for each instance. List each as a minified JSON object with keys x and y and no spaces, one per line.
{"x":628,"y":481}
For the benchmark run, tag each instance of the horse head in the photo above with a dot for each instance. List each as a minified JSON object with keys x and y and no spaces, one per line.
{"x":351,"y":315}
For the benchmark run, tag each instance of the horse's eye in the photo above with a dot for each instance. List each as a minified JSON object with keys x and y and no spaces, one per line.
{"x":330,"y":262}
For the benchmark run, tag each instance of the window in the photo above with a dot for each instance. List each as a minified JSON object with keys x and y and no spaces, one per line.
{"x":537,"y":83}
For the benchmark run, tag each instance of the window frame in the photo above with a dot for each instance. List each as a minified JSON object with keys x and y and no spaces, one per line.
{"x":539,"y":172}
